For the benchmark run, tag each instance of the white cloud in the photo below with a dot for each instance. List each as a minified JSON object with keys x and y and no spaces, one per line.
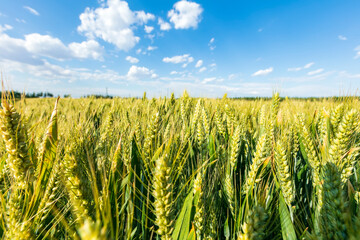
{"x":212,"y":79}
{"x":357,"y":49}
{"x":231,"y":76}
{"x":213,"y":65}
{"x":202,"y":69}
{"x":31,"y":10}
{"x":137,"y":73}
{"x":101,"y":2}
{"x":199,"y":63}
{"x":55,"y":73}
{"x":35,"y":45}
{"x":186,"y":58}
{"x":20,"y":20}
{"x":142,"y":17}
{"x":308,"y":65}
{"x":296,"y":69}
{"x":206,"y":80}
{"x":132,"y":59}
{"x":5,"y":28}
{"x":185,"y":14}
{"x":309,"y":78}
{"x":148,"y":29}
{"x":345,"y":74}
{"x":87,"y":49}
{"x":164,"y":26}
{"x":183,"y":74}
{"x":113,"y":23}
{"x":14,"y":49}
{"x":211,"y":44}
{"x":341,"y":37}
{"x":151,"y":48}
{"x":263,"y":72}
{"x":47,"y":46}
{"x":150,"y":36}
{"x":320,"y":70}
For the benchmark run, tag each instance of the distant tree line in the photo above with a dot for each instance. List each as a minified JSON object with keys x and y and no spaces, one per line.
{"x":311,"y":99}
{"x":29,"y":95}
{"x":98,"y":96}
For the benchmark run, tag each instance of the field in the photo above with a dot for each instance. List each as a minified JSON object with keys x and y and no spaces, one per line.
{"x":183,"y":168}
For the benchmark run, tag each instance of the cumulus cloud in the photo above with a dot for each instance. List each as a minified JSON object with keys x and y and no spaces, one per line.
{"x":263,"y":72}
{"x":35,"y":45}
{"x":113,"y":23}
{"x":137,"y":73}
{"x":186,"y":58}
{"x":148,"y":29}
{"x":341,"y":37}
{"x":164,"y":26}
{"x":317,"y":71}
{"x":87,"y":49}
{"x":296,"y":69}
{"x":31,"y":10}
{"x":185,"y":14}
{"x":199,"y":63}
{"x":143,"y":17}
{"x":47,"y":46}
{"x":14,"y":49}
{"x":27,"y":56}
{"x":132,"y":59}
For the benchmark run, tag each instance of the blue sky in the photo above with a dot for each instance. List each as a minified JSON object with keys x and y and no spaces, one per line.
{"x":243,"y":48}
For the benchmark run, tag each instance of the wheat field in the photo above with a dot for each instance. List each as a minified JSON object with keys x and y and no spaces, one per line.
{"x":185,"y":168}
